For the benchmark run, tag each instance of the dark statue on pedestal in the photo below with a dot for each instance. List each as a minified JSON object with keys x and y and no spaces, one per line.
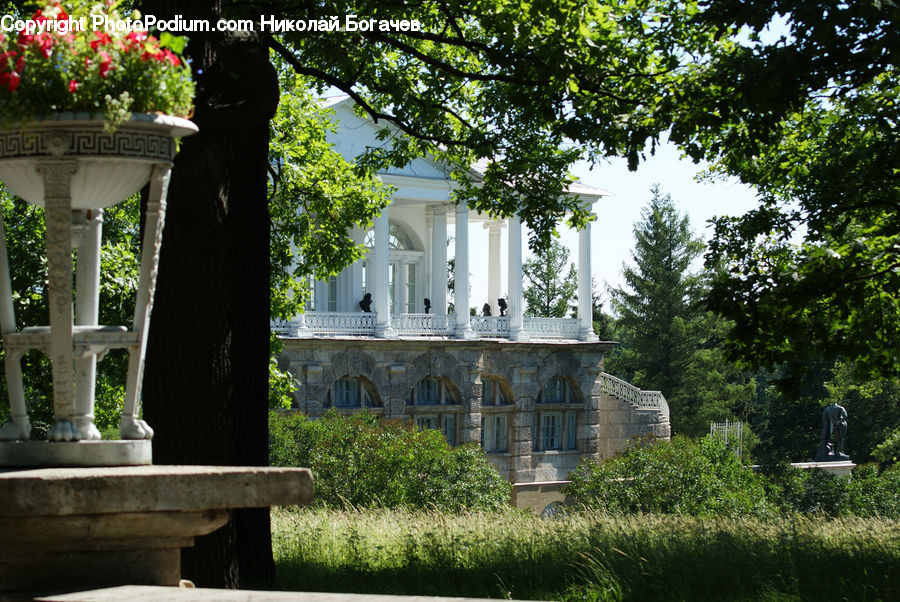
{"x":834,"y":424}
{"x":427,"y":305}
{"x":366,"y":303}
{"x":486,"y":309}
{"x":501,"y":303}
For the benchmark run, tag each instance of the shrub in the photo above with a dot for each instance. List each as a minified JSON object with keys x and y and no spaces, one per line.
{"x":812,"y":491}
{"x":698,"y":478}
{"x":360,"y":461}
{"x":871,"y":493}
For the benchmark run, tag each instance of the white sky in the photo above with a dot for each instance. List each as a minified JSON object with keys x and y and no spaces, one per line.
{"x":612,"y":236}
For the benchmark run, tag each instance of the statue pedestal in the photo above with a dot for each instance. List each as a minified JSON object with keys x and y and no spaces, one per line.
{"x":78,"y":527}
{"x":839,"y":468}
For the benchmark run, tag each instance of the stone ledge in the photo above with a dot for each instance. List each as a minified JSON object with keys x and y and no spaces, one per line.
{"x":145,"y":593}
{"x":37,"y":454}
{"x":65,"y":491}
{"x":65,"y":528}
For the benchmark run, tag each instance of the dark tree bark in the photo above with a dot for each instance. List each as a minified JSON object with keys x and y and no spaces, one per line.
{"x":206,"y":378}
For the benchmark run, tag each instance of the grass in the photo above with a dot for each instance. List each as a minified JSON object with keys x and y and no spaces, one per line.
{"x":586,"y":557}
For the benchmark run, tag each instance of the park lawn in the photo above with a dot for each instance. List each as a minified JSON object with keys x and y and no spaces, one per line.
{"x":586,"y":556}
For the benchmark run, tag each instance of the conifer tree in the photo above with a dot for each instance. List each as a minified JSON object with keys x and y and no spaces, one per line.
{"x":551,"y":286}
{"x":656,"y":316}
{"x":670,"y":342}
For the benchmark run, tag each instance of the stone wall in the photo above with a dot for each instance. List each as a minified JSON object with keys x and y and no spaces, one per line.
{"x":389,"y":370}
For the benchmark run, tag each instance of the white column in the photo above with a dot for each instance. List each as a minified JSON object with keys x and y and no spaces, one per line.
{"x":320,"y":292}
{"x":87,"y":306}
{"x":461,"y":274}
{"x":585,"y":302}
{"x":356,"y":292}
{"x":423,"y":273}
{"x":400,"y":292}
{"x":439,"y":261}
{"x":493,"y":228}
{"x":19,"y":425}
{"x":380,"y":275}
{"x":514,"y":303}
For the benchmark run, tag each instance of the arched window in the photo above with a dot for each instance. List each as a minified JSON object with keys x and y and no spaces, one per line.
{"x":405,"y":255}
{"x":493,"y":392}
{"x":555,"y":429}
{"x":351,"y":392}
{"x":398,"y":238}
{"x":431,"y":391}
{"x":428,"y":393}
{"x":557,"y":390}
{"x":495,"y":415}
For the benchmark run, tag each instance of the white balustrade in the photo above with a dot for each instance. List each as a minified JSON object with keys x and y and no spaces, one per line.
{"x":490,"y":326}
{"x":357,"y":323}
{"x":551,"y":328}
{"x":424,"y":324}
{"x":287,"y":328}
{"x":340,"y":323}
{"x":643,"y":400}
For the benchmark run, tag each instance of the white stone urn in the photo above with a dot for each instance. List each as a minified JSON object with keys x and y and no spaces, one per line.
{"x":72,"y":166}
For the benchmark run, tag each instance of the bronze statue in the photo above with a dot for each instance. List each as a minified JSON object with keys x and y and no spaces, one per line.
{"x":486,"y":309}
{"x":501,"y":303}
{"x":427,"y":305}
{"x":834,"y":423}
{"x":366,"y":303}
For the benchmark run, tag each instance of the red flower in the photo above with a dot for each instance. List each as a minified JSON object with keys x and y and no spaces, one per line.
{"x":135,"y":38}
{"x":105,"y":63}
{"x":62,"y":16}
{"x":13,"y":81}
{"x":73,"y":85}
{"x":170,"y":56}
{"x":20,"y":63}
{"x":102,"y":40}
{"x":45,"y":43}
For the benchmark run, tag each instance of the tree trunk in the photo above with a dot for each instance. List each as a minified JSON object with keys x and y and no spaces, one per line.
{"x":206,"y":379}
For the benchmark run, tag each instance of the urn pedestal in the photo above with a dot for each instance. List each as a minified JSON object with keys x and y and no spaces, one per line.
{"x":73,"y":167}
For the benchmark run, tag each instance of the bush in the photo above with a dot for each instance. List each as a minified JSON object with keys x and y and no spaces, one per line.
{"x":360,"y":461}
{"x":697,"y":478}
{"x":871,"y":493}
{"x":812,"y":491}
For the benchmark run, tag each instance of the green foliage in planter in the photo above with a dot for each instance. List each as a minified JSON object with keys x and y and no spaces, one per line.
{"x":361,"y":461}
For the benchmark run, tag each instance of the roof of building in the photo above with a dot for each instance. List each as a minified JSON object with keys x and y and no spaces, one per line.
{"x":480,"y":166}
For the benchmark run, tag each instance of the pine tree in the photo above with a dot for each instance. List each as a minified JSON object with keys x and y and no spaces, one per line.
{"x":656,"y":316}
{"x":551,"y":287}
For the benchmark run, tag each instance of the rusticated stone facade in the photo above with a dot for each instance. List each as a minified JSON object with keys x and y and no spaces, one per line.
{"x":537,"y":407}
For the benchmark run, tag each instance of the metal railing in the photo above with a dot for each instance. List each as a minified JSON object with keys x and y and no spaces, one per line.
{"x":643,"y":400}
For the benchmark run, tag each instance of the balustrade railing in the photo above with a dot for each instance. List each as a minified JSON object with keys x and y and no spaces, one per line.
{"x":338,"y":323}
{"x":285,"y":327}
{"x":644,"y":400}
{"x":490,"y":326}
{"x":551,"y":328}
{"x":423,"y":324}
{"x":358,"y":323}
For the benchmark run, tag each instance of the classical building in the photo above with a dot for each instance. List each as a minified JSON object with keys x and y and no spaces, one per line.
{"x":531,"y":391}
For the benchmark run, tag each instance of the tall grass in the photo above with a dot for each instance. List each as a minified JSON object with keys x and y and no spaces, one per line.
{"x":586,"y":557}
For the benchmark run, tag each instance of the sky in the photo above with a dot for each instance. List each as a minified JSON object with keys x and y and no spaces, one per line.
{"x":612,"y":237}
